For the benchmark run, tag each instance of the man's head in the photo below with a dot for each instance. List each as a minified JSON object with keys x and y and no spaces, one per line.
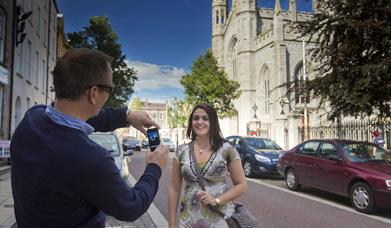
{"x":79,"y":70}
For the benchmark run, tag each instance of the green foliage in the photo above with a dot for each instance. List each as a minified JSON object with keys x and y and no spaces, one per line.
{"x":136,"y":104}
{"x":353,"y":52}
{"x":99,"y":35}
{"x":209,"y":84}
{"x":178,"y":113}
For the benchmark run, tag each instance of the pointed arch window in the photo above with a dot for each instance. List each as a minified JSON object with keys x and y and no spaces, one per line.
{"x":222,"y":16}
{"x":217,"y":16}
{"x":302,"y":95}
{"x":234,"y":62}
{"x":266,"y":84}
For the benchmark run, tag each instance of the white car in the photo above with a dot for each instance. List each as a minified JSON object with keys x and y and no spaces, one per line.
{"x":167,"y":141}
{"x":110,"y":141}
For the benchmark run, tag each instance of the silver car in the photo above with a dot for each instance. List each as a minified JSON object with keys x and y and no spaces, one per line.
{"x":109,"y":141}
{"x":168,"y":141}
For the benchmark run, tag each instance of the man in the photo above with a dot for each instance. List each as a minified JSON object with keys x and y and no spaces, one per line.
{"x":60,"y":178}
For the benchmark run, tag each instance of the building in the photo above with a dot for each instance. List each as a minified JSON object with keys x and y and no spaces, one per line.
{"x":259,"y":48}
{"x":35,"y":57}
{"x":158,"y":113}
{"x":6,"y":64}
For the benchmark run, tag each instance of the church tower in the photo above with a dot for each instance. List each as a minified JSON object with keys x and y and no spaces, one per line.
{"x":219,"y":17}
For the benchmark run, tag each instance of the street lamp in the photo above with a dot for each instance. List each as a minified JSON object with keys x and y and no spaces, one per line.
{"x":255,"y":107}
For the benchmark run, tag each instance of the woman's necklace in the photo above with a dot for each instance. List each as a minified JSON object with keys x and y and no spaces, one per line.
{"x":202,"y":150}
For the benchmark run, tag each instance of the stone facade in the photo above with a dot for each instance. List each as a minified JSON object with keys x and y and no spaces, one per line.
{"x":34,"y":58}
{"x":259,"y":48}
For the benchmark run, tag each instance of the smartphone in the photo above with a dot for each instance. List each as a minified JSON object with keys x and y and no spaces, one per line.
{"x":153,"y":138}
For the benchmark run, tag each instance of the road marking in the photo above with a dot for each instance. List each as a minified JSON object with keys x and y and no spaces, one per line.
{"x":153,"y":211}
{"x":375,"y":217}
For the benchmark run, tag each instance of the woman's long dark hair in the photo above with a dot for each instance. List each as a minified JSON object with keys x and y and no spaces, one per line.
{"x":215,"y":136}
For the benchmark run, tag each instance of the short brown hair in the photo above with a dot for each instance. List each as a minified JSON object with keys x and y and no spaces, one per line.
{"x":78,"y":69}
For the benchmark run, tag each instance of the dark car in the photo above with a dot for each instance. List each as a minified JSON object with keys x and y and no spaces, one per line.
{"x":259,"y":155}
{"x":131,"y":144}
{"x":358,"y":170}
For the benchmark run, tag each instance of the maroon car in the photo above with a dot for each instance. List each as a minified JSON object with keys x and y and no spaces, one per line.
{"x":358,"y":170}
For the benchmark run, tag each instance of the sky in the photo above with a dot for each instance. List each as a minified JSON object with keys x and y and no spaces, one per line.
{"x":160,"y":38}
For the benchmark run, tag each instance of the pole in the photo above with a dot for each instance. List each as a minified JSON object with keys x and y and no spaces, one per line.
{"x":305,"y":97}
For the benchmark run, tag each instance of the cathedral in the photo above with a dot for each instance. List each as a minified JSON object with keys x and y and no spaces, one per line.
{"x":259,"y":48}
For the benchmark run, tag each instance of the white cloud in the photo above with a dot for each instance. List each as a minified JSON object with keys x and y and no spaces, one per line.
{"x":155,"y":77}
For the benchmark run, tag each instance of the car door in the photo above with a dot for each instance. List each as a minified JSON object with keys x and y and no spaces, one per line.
{"x":329,"y":169}
{"x":303,"y":162}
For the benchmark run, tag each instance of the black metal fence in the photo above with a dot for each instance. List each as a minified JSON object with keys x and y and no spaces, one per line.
{"x":361,"y":131}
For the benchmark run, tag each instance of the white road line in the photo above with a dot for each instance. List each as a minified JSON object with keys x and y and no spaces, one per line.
{"x":153,"y":211}
{"x":385,"y":220}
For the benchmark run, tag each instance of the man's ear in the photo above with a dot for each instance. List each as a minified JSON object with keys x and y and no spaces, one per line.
{"x":91,"y":94}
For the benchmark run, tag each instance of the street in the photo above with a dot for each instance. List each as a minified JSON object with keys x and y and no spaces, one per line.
{"x":276,"y":206}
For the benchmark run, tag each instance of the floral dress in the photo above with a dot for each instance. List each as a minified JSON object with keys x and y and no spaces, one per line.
{"x":214,"y":173}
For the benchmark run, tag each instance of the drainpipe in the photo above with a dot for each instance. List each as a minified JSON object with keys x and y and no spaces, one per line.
{"x":48,"y":53}
{"x":12,"y":69}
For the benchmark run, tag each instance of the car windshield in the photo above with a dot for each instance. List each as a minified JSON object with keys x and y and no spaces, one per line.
{"x":166,"y":140}
{"x":109,"y":142}
{"x":264,"y":144}
{"x":365,"y":152}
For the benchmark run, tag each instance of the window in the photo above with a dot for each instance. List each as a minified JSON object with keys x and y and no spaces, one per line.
{"x":28,"y":103}
{"x":301,"y":95}
{"x":222,"y":16}
{"x":36,"y":69}
{"x":28,"y":60}
{"x":217,"y":16}
{"x":161,"y":115}
{"x":327,"y":149}
{"x":43,"y":75}
{"x":309,"y":148}
{"x":44,"y":33}
{"x":1,"y":104}
{"x":39,"y":21}
{"x":2,"y":34}
{"x":19,"y":59}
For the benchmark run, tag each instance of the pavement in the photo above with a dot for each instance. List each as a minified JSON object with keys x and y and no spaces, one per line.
{"x":153,"y":217}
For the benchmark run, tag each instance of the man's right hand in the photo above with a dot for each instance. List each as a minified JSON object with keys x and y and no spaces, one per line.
{"x":159,"y":156}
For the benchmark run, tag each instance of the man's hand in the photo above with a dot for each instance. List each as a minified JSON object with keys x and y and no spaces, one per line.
{"x":140,"y":120}
{"x":159,"y":156}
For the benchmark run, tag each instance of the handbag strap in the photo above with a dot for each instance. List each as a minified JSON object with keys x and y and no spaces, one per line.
{"x":200,"y":181}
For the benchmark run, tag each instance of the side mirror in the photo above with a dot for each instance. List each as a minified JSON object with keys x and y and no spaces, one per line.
{"x":128,"y":153}
{"x":334,"y":157}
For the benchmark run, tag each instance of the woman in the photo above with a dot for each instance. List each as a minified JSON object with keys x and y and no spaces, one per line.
{"x":215,"y":159}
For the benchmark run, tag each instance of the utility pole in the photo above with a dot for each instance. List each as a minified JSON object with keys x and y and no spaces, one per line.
{"x":305,"y":96}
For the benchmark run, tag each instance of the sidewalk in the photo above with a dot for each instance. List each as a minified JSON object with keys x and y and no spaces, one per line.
{"x":7,"y":217}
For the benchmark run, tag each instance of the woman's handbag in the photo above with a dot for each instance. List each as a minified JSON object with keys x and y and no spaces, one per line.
{"x":242,"y":218}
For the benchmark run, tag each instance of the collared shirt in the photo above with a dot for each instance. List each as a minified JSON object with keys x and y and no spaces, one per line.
{"x":69,"y":121}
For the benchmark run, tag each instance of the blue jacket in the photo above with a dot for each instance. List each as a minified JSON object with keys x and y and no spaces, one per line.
{"x":60,"y":178}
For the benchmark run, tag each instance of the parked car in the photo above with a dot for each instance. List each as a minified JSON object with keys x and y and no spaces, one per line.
{"x":171,"y":146}
{"x":144,"y":144}
{"x":360,"y":171}
{"x":110,"y":141}
{"x":129,"y":143}
{"x":259,"y":155}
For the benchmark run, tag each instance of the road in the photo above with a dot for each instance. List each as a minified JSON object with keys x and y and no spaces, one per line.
{"x":275,"y":206}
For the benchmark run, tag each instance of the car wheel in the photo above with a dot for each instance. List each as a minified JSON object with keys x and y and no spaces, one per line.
{"x":291,"y":180}
{"x":248,"y":169}
{"x":362,"y":198}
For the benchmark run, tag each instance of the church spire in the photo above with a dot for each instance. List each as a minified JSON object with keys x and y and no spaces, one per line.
{"x":277,"y":8}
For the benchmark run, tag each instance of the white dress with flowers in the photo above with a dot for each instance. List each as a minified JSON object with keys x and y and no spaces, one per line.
{"x":214,"y":173}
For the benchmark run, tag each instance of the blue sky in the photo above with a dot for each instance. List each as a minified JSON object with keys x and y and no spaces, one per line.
{"x":160,"y":38}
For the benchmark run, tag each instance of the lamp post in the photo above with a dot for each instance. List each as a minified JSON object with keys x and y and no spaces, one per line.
{"x":255,"y":107}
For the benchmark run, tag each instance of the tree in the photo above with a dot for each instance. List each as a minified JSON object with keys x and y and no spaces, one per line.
{"x":353,"y":51}
{"x":99,"y":35}
{"x":178,"y":113}
{"x":136,"y":104}
{"x":209,"y":84}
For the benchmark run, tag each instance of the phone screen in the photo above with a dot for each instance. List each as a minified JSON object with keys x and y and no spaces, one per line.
{"x":153,"y":138}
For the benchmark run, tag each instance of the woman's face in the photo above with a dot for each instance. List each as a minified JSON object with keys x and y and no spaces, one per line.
{"x":200,"y":122}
